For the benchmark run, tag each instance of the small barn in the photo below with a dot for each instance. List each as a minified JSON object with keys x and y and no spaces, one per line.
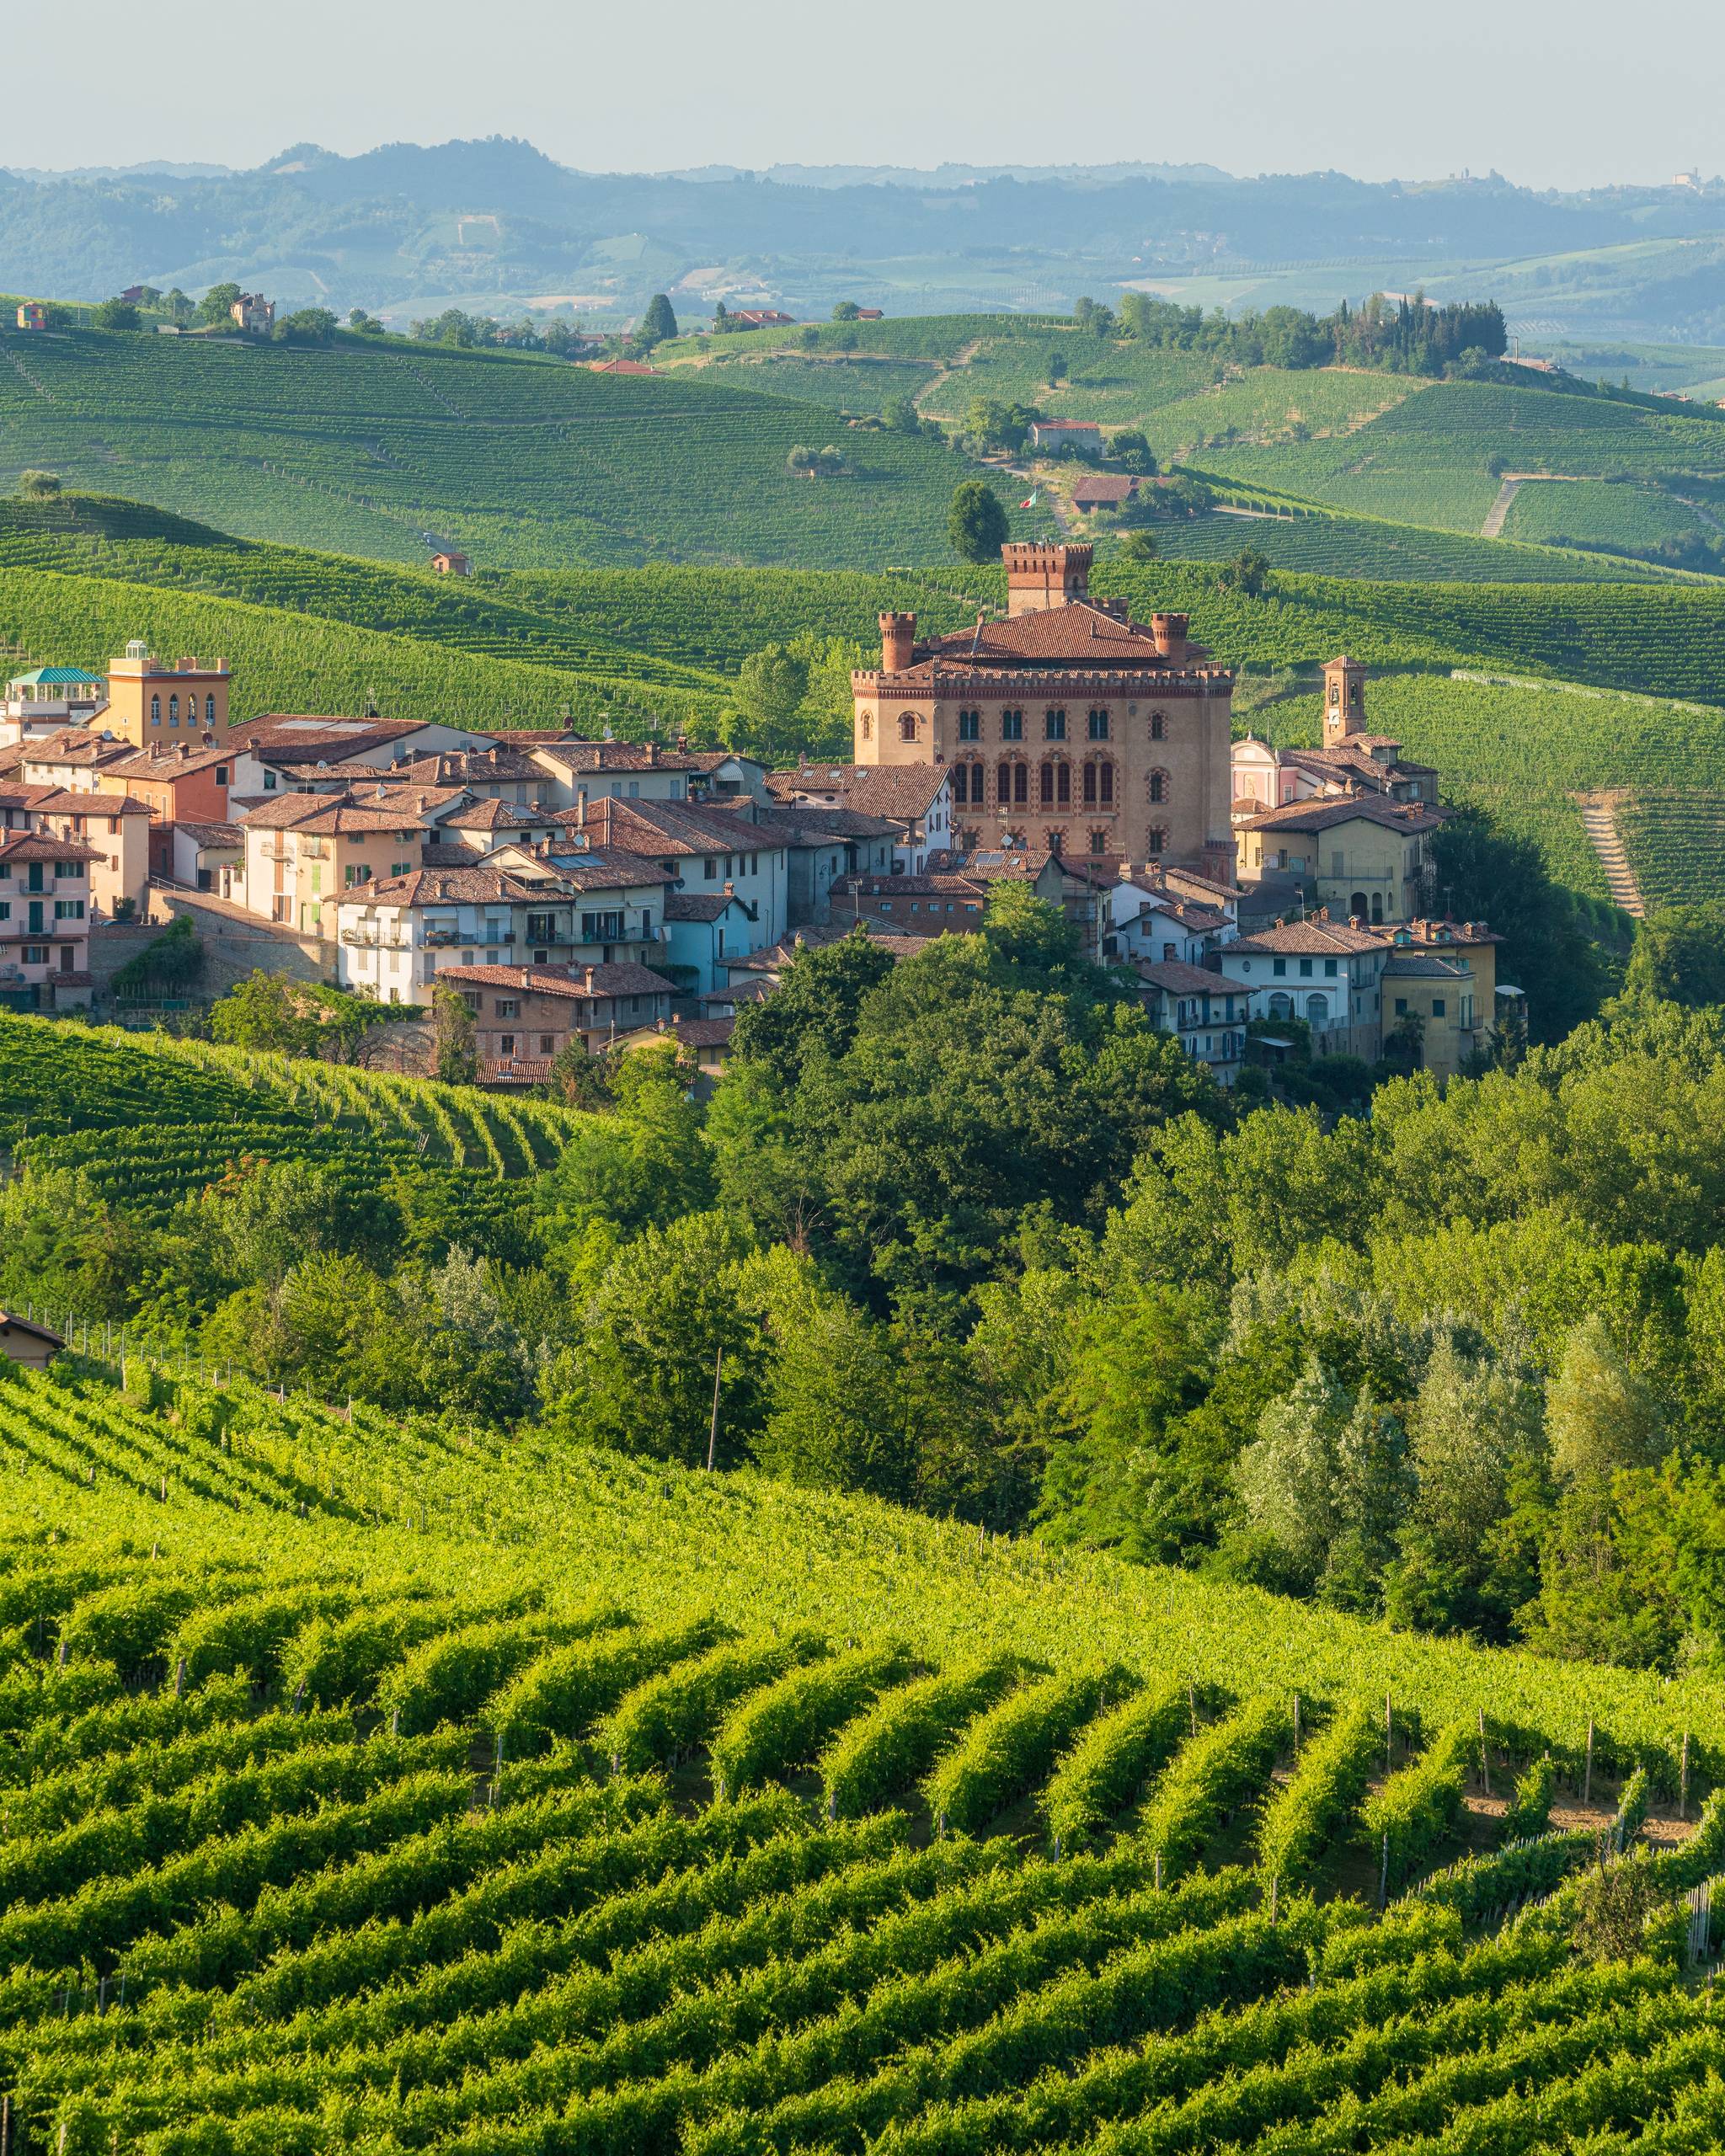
{"x":23,"y":1341}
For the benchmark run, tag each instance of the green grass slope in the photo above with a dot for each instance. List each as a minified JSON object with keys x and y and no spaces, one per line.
{"x":520,"y":461}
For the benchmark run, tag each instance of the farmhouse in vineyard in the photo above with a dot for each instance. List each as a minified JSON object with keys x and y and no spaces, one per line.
{"x":1069,"y":727}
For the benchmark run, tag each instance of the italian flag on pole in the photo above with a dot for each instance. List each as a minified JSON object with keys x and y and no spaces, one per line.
{"x":1030,"y":501}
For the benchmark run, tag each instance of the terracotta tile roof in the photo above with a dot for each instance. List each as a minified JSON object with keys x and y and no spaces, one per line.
{"x":1082,"y":634}
{"x":703,"y":1033}
{"x":599,"y":868}
{"x":935,"y":884}
{"x":806,"y":824}
{"x":696,"y":905}
{"x":663,"y":827}
{"x":581,"y":983}
{"x":904,"y":791}
{"x":1324,"y":811}
{"x":58,"y":801}
{"x":1175,"y":978}
{"x":495,"y":816}
{"x":466,"y":767}
{"x":1422,"y":965}
{"x":225,"y":836}
{"x":431,"y":887}
{"x":578,"y":756}
{"x":374,"y":808}
{"x":77,"y":745}
{"x":288,"y":729}
{"x":1306,"y":938}
{"x":184,"y":761}
{"x":445,"y":853}
{"x":1103,"y":486}
{"x":42,"y":846}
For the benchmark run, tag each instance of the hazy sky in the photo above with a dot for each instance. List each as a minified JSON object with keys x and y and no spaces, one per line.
{"x":1584,"y":91}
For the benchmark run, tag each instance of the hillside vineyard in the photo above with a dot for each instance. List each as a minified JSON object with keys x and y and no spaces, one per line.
{"x":367,"y":1790}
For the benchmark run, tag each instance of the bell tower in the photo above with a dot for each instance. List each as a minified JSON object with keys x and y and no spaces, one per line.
{"x":1344,"y":699}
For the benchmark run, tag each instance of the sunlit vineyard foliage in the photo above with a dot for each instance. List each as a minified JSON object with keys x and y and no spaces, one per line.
{"x":1439,"y":457}
{"x":286,"y":1868}
{"x":1325,"y":544}
{"x":151,"y":1120}
{"x":518,"y":460}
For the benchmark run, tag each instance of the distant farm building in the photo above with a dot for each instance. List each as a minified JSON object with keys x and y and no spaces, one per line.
{"x":1103,"y":490}
{"x":452,"y":564}
{"x":762,"y":317}
{"x":32,"y":315}
{"x":618,"y":366}
{"x":1066,"y":433}
{"x":252,"y":311}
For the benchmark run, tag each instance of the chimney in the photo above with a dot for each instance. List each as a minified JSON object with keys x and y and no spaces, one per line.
{"x":898,"y":639}
{"x":652,"y":755}
{"x":1169,"y":631}
{"x":1040,"y":575}
{"x":730,"y":890}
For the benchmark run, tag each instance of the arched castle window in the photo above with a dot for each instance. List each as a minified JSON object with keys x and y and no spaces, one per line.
{"x":1054,"y":726}
{"x":969,"y":725}
{"x":965,"y":790}
{"x":868,"y":728}
{"x":209,"y":711}
{"x":1099,"y":783}
{"x":1011,"y":726}
{"x":1054,"y":840}
{"x":1013,"y":783}
{"x":1317,"y":1009}
{"x":1158,"y":786}
{"x":1158,"y":727}
{"x":155,"y":711}
{"x":1154,"y":841}
{"x":907,"y":726}
{"x":173,"y":711}
{"x":1098,"y":841}
{"x":1099,"y":726}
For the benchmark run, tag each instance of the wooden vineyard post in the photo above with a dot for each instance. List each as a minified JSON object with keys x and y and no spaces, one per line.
{"x":1389,"y":1734}
{"x":1682,"y":1780}
{"x":1384,"y":1877}
{"x":1485,"y":1764}
{"x":1587,"y":1783}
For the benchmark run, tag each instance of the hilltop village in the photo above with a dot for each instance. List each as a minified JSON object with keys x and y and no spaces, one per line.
{"x":607,"y":892}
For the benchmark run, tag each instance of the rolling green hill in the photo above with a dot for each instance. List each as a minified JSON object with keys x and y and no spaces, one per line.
{"x":420,"y":1790}
{"x":1430,"y":459}
{"x":519,"y":459}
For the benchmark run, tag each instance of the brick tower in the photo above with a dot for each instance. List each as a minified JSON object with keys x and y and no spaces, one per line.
{"x":1344,"y":699}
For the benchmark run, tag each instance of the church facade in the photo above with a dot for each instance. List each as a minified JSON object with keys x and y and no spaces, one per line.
{"x":1068,"y":727}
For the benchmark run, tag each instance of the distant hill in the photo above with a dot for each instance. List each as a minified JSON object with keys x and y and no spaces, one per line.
{"x":405,"y":227}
